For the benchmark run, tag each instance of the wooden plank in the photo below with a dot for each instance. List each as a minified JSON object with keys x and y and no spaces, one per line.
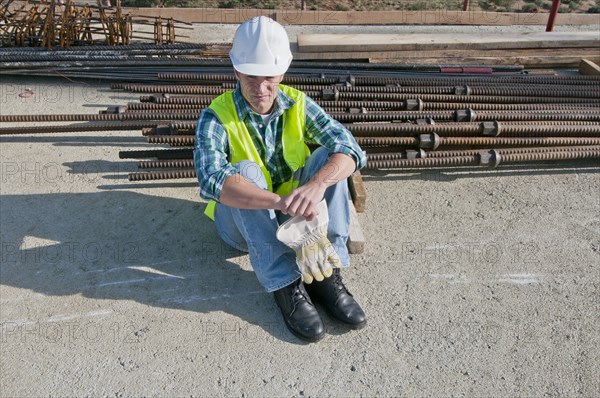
{"x":327,"y":42}
{"x":357,"y":191}
{"x":356,"y":239}
{"x":528,"y":62}
{"x":587,"y":67}
{"x":581,"y":52}
{"x":434,"y":17}
{"x":541,"y":72}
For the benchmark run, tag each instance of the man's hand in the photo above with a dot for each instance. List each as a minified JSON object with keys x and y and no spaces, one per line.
{"x":303,"y":200}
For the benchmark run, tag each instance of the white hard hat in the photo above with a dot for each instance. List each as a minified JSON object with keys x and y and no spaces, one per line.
{"x":261,"y":48}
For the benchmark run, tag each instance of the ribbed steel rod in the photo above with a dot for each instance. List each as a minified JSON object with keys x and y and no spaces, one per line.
{"x":495,"y":99}
{"x":423,"y":162}
{"x":189,"y":163}
{"x":26,"y":55}
{"x":183,"y":125}
{"x":179,"y":100}
{"x":400,"y":105}
{"x":389,"y":105}
{"x":530,"y":157}
{"x":162,"y":175}
{"x":503,"y":151}
{"x":504,"y":156}
{"x":168,"y":88}
{"x":537,"y":115}
{"x":125,"y":63}
{"x":406,"y":106}
{"x":526,"y":123}
{"x":457,"y":81}
{"x":96,"y":117}
{"x":412,"y":141}
{"x":407,"y":129}
{"x":87,"y":57}
{"x":167,"y":164}
{"x":495,"y":96}
{"x":504,"y":90}
{"x":286,"y":80}
{"x":477,"y":160}
{"x":537,"y":129}
{"x":75,"y":128}
{"x":180,"y":103}
{"x":471,"y":152}
{"x":587,"y":92}
{"x":525,"y":115}
{"x":198,"y":77}
{"x":387,"y":141}
{"x":376,"y":89}
{"x":444,"y":106}
{"x":518,"y":141}
{"x":475,"y":141}
{"x":478,"y":96}
{"x":172,"y":139}
{"x":183,"y":153}
{"x":191,"y":113}
{"x":459,"y":89}
{"x":382,"y":81}
{"x":100,"y":48}
{"x":391,"y":116}
{"x":143,"y":106}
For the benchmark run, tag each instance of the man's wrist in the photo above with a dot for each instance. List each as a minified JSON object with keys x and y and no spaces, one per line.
{"x":278,"y":202}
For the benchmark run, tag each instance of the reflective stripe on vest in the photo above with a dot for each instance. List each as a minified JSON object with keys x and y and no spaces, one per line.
{"x":241,"y":145}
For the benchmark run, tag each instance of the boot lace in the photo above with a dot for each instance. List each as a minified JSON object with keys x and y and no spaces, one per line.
{"x":337,"y":282}
{"x":297,"y":295}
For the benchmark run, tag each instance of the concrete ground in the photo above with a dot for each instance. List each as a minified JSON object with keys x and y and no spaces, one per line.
{"x":477,"y":282}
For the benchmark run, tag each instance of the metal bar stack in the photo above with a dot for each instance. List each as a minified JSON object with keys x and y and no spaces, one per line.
{"x":415,"y":121}
{"x":405,"y":120}
{"x":60,"y":23}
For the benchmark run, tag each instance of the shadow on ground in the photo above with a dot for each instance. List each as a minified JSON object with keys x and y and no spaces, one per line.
{"x":120,"y":245}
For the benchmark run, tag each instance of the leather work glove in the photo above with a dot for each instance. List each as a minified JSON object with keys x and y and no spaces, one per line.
{"x":315,"y":255}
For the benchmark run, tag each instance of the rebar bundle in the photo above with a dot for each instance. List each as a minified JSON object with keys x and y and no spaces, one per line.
{"x":413,"y":121}
{"x":60,"y":23}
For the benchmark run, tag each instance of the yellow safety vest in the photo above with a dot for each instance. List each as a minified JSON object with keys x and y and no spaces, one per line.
{"x":242,"y":146}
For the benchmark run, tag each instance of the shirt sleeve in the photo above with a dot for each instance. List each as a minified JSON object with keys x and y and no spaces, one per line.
{"x":211,"y":159}
{"x":323,"y":130}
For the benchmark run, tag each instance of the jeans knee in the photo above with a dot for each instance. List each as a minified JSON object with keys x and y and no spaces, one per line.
{"x":251,"y":171}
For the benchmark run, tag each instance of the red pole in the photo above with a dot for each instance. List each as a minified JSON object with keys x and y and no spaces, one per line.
{"x":552,"y":17}
{"x":466,"y":5}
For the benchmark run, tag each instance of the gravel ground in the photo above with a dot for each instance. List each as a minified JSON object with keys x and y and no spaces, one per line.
{"x":476,"y":282}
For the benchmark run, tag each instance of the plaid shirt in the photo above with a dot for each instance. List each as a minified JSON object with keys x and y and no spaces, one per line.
{"x":211,"y":154}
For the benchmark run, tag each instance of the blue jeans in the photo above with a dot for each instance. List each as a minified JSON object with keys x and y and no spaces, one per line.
{"x":253,"y":231}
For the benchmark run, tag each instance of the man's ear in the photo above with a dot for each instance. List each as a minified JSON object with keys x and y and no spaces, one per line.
{"x":235,"y":73}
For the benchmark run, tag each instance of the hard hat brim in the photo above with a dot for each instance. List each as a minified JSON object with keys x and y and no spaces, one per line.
{"x":262,"y":70}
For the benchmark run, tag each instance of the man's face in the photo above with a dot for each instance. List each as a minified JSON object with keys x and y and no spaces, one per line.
{"x":259,"y":91}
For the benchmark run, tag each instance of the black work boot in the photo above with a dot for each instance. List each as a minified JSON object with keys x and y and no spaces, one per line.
{"x":337,"y":300}
{"x":299,"y":313}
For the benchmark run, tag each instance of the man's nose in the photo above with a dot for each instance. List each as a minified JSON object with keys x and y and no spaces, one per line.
{"x":263,"y":82}
{"x":262,"y":85}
